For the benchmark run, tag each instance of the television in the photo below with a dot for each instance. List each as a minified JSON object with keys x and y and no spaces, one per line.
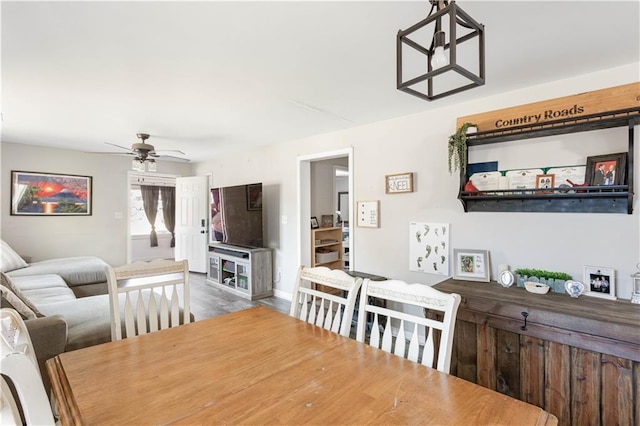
{"x":236,"y":215}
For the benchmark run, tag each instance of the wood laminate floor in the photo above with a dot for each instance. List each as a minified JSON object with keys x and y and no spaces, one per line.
{"x":208,"y":300}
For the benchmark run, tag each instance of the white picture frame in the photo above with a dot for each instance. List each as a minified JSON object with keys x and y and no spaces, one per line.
{"x":368,"y":214}
{"x":399,"y":183}
{"x":471,"y":265}
{"x":600,"y":282}
{"x":429,"y":248}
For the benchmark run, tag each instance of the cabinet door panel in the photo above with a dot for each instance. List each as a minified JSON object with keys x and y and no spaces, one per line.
{"x":486,"y":356}
{"x":508,"y":363}
{"x":557,"y":389}
{"x":585,"y":386}
{"x":532,"y":367}
{"x":466,"y":351}
{"x":617,"y":391}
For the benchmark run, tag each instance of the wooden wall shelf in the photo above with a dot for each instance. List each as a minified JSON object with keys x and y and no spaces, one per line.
{"x":584,"y":123}
{"x":592,"y":199}
{"x":615,"y":199}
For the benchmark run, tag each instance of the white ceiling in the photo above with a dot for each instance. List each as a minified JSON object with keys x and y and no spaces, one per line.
{"x":204,"y":77}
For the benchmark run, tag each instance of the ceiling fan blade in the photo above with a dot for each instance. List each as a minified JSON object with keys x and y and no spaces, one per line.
{"x":118,"y":146}
{"x":170,"y":150}
{"x":111,"y":153}
{"x":171,"y":158}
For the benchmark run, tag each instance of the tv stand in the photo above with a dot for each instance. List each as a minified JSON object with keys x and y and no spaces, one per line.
{"x":244,"y":271}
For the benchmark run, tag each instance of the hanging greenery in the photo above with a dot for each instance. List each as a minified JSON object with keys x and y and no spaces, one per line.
{"x":458,"y":148}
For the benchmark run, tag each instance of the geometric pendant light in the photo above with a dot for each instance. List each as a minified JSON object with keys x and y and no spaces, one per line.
{"x":441,"y":55}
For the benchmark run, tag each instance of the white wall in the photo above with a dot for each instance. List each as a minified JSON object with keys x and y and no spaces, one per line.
{"x":100,"y":234}
{"x":142,"y":251}
{"x":323,"y":197}
{"x":417,"y":143}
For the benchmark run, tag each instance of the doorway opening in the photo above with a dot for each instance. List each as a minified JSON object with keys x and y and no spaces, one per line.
{"x":314,"y":183}
{"x":139,"y":228}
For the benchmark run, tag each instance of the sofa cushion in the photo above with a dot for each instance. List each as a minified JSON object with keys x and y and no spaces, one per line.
{"x":89,"y":318}
{"x":74,"y":270}
{"x":40,"y":290}
{"x":10,"y":259}
{"x":16,"y":291}
{"x":10,"y":300}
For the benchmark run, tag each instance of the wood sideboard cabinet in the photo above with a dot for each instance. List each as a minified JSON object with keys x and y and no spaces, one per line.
{"x":577,"y":358}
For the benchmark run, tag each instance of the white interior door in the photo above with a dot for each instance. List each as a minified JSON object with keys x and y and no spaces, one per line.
{"x":192,"y":221}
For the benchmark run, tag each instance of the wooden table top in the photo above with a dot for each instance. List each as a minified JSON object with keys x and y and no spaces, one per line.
{"x":259,"y":366}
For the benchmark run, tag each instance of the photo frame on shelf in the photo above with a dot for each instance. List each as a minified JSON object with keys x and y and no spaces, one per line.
{"x":314,"y":223}
{"x":50,"y":194}
{"x":604,"y":170}
{"x":600,"y":282}
{"x":545,"y":181}
{"x":327,"y":221}
{"x":471,"y":265}
{"x":399,"y":183}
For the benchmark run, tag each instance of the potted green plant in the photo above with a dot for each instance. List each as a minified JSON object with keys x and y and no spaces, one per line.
{"x":555,"y":280}
{"x":458,"y":148}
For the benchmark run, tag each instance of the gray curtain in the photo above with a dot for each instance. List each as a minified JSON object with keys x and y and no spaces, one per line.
{"x":169,"y":210}
{"x":150,"y":203}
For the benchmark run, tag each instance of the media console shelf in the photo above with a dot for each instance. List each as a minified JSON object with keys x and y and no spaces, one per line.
{"x":246,"y":272}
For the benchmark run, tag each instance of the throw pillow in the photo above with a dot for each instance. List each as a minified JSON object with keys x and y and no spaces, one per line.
{"x":7,"y":282}
{"x":10,"y":259}
{"x":10,"y":300}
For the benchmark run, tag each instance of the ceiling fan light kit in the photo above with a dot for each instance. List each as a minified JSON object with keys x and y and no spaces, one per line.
{"x":148,"y":165}
{"x":445,"y":75}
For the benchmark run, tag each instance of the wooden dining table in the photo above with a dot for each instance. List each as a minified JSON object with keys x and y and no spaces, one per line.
{"x":259,"y":366}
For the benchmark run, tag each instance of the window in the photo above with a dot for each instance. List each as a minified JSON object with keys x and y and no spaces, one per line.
{"x":138,"y":219}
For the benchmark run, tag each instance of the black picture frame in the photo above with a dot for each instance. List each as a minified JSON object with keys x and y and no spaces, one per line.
{"x":254,"y":196}
{"x":594,"y":176}
{"x":314,"y":223}
{"x":50,"y":194}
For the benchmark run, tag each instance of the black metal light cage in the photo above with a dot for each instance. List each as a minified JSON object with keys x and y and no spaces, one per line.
{"x":455,"y":16}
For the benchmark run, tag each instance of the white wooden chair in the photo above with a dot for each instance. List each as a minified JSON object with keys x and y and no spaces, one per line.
{"x":325,"y":297}
{"x":393,"y":325}
{"x":20,"y":368}
{"x":145,"y":295}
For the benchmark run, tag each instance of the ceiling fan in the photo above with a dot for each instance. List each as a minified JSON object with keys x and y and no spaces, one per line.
{"x":144,"y":151}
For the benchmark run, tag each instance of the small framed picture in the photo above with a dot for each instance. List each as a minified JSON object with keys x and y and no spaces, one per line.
{"x":471,"y":265}
{"x":606,"y":169}
{"x":314,"y":222}
{"x":600,"y":282}
{"x":254,"y":196}
{"x":327,"y":221}
{"x":545,"y":182}
{"x":368,"y":214}
{"x":399,"y":183}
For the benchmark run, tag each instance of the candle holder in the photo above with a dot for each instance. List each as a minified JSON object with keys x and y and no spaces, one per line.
{"x":635,"y":298}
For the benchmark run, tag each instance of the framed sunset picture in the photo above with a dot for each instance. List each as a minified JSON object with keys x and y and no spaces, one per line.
{"x":50,"y":194}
